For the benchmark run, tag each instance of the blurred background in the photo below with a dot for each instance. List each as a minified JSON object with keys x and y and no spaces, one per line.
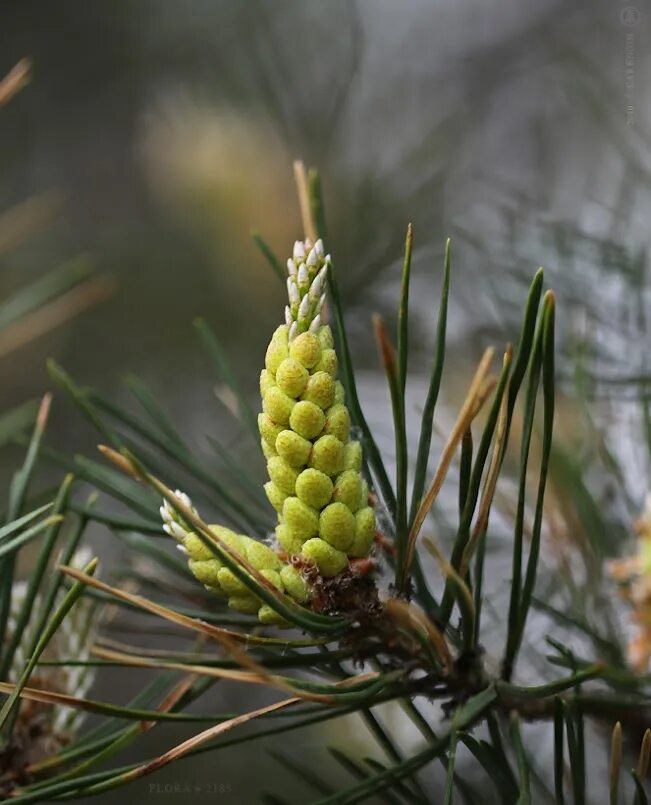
{"x":153,"y":136}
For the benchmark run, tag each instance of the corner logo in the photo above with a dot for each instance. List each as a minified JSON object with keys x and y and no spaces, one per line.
{"x":629,"y":16}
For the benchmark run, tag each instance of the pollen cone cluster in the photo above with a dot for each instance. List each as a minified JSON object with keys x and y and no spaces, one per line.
{"x":221,"y":580}
{"x":314,"y":467}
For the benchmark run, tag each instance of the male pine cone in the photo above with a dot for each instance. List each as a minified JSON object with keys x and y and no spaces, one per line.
{"x":314,"y":467}
{"x":221,"y":580}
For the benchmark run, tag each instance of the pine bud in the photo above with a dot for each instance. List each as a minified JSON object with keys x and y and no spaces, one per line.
{"x":282,"y":474}
{"x":320,"y":390}
{"x":272,"y":576}
{"x":246,"y":604}
{"x":364,"y":532}
{"x":293,"y":448}
{"x":270,"y":617}
{"x":299,"y":518}
{"x":230,"y":583}
{"x":197,"y":550}
{"x":306,"y":350}
{"x":266,"y":381}
{"x":325,"y":338}
{"x":292,"y":377}
{"x":275,"y":355}
{"x":275,"y":495}
{"x":348,"y":487}
{"x":353,"y":456}
{"x":328,"y":560}
{"x":314,"y":488}
{"x":307,"y":419}
{"x":280,"y":334}
{"x":207,"y":572}
{"x":288,"y":540}
{"x":328,"y":363}
{"x":327,"y":455}
{"x":268,"y":428}
{"x":262,"y":557}
{"x":278,"y":405}
{"x":337,"y":423}
{"x":337,"y":526}
{"x":294,"y":583}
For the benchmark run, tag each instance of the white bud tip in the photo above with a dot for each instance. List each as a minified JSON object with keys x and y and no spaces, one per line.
{"x":304,"y":309}
{"x":291,"y":267}
{"x":288,"y":316}
{"x":294,"y":295}
{"x":321,"y":302}
{"x":317,"y":286}
{"x":316,"y":323}
{"x":182,"y":550}
{"x":183,"y":498}
{"x":303,"y":276}
{"x":299,"y":250}
{"x":311,"y":258}
{"x":293,"y":331}
{"x":174,"y":530}
{"x":319,"y":247}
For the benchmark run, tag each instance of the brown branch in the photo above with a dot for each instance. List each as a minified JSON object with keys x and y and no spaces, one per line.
{"x":14,"y":81}
{"x":55,"y":313}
